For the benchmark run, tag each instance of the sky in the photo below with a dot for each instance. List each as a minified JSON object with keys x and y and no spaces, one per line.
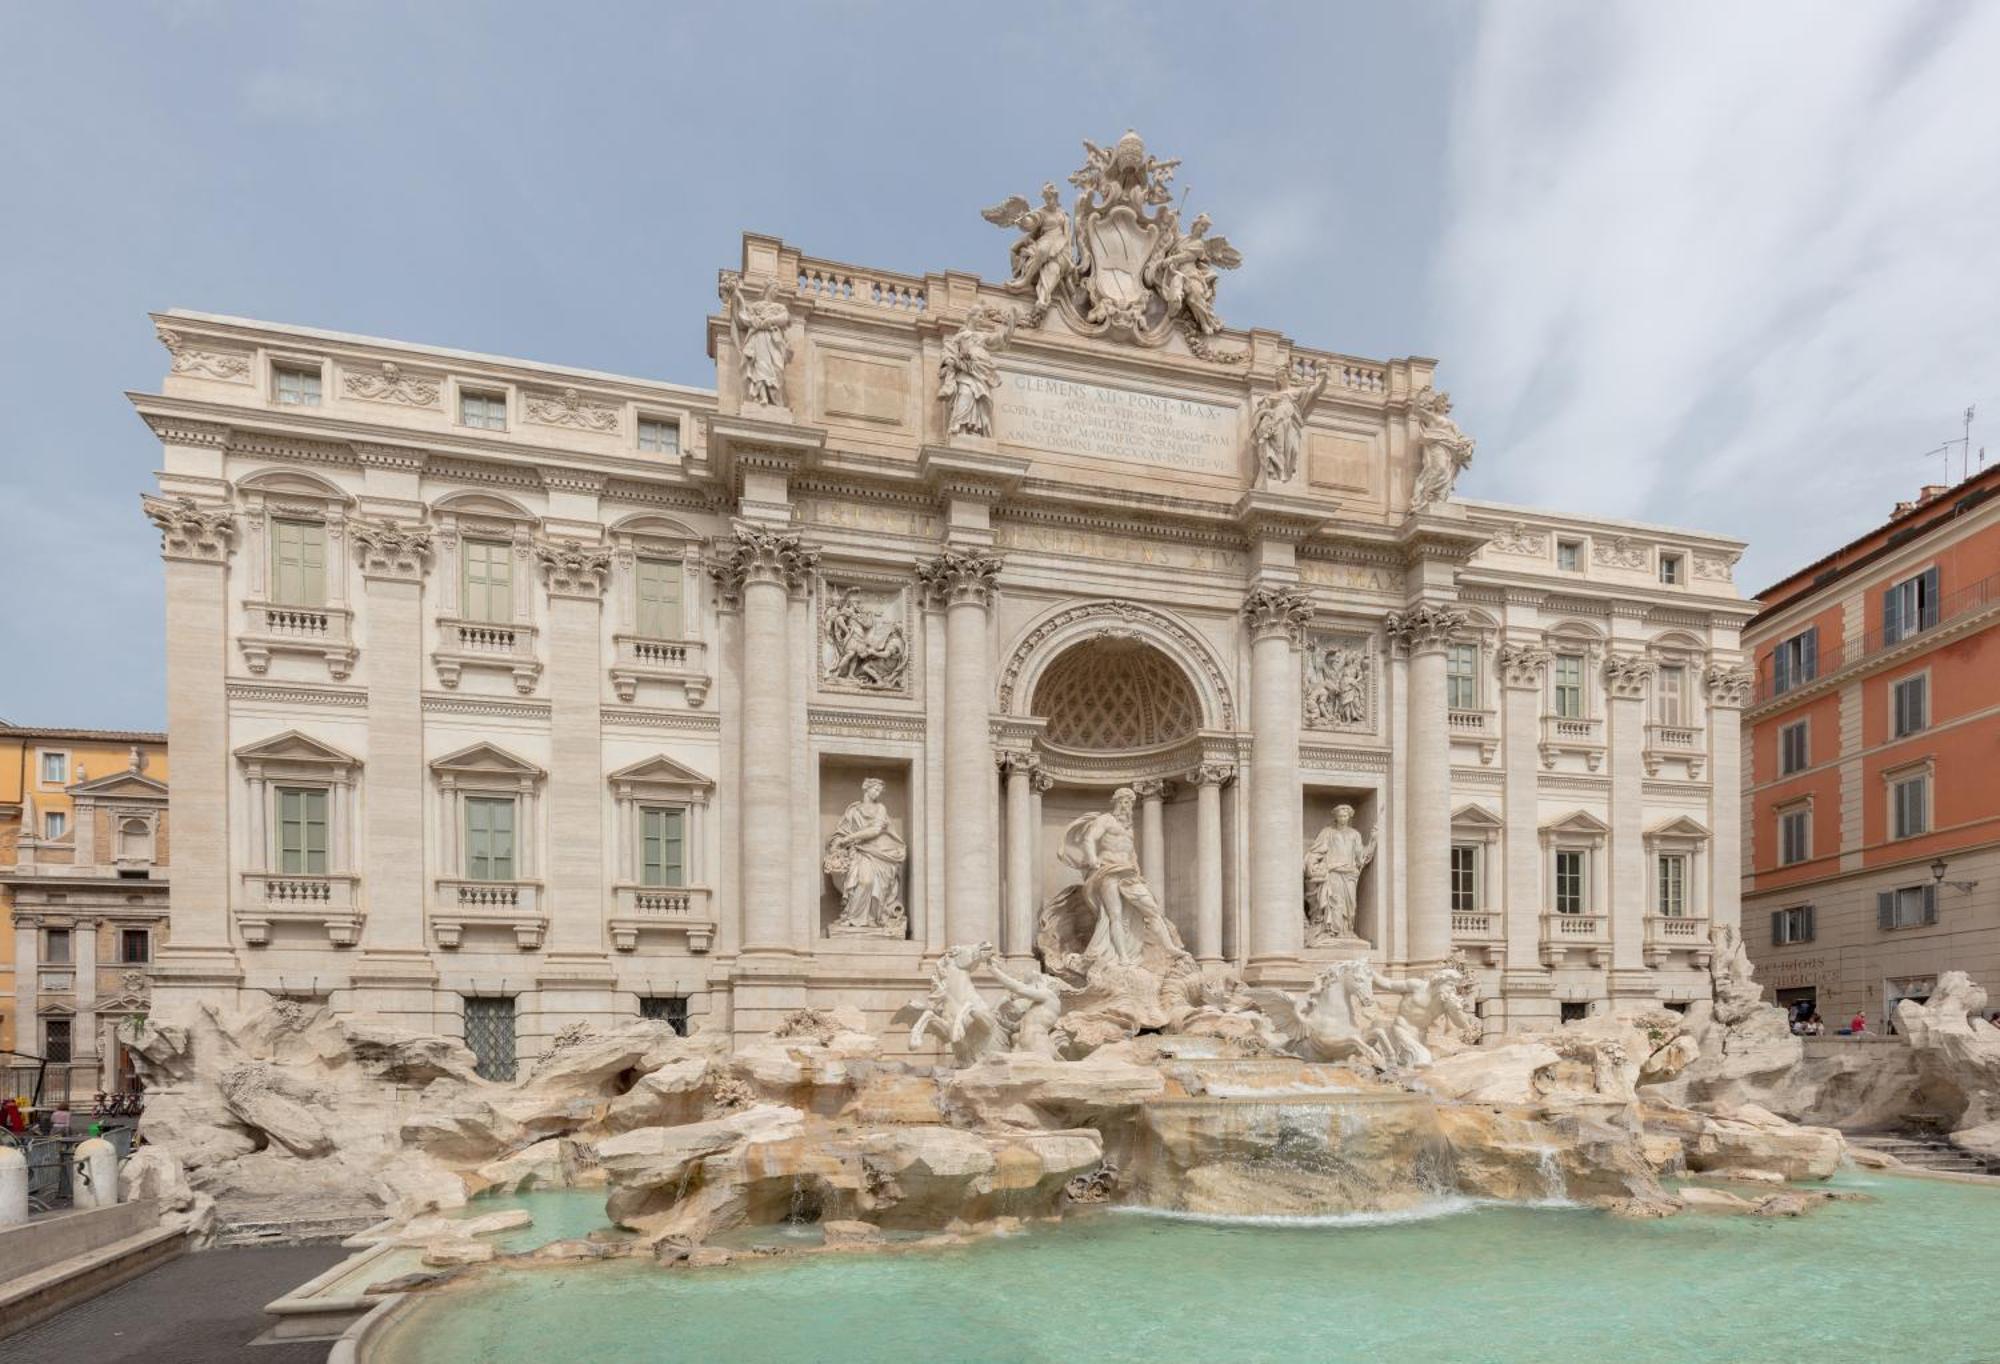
{"x":1731,"y":266}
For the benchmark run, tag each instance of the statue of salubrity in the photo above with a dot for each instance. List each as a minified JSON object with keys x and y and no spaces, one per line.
{"x":1333,"y":874}
{"x":864,"y":860}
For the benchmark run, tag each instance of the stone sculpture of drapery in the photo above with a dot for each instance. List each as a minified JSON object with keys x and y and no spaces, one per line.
{"x":761,"y":329}
{"x":967,"y":374}
{"x":1333,"y":871}
{"x":865,"y":858}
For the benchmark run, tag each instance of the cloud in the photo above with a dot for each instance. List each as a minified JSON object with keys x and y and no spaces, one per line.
{"x":295,"y":97}
{"x":1729,"y":266}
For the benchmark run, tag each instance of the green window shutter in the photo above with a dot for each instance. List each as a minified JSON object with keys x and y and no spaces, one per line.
{"x":298,"y":563}
{"x":1885,"y":909}
{"x":489,"y":839}
{"x":489,"y":582}
{"x":1927,"y":608}
{"x":663,"y":858}
{"x":1777,"y":928}
{"x":291,"y":832}
{"x":1930,"y":903}
{"x":1811,"y":928}
{"x":659,"y":587}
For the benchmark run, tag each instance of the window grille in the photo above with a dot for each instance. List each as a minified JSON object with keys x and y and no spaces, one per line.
{"x":489,"y":1032}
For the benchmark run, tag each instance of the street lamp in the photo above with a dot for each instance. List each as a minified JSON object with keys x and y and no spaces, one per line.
{"x":1938,"y":869}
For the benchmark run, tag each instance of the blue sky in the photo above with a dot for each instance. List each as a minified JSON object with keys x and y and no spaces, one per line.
{"x":1733,"y":266}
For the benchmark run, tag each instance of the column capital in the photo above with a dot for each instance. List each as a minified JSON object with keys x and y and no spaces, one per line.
{"x":1728,"y":685}
{"x":1523,"y":665}
{"x":1041,"y":781}
{"x":190,"y":531}
{"x":574,"y":569}
{"x":1211,"y":774}
{"x":1424,"y":628}
{"x":389,"y":550}
{"x":1152,"y":788}
{"x":756,"y":554}
{"x":1013,"y":760}
{"x":957,"y":575}
{"x":1278,"y":610}
{"x":1626,"y":675}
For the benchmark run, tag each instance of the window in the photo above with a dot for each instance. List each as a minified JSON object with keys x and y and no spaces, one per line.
{"x":55,"y":823}
{"x":659,"y":436}
{"x":1461,"y":676}
{"x":662,"y":847}
{"x":296,"y":387}
{"x":1794,"y":753}
{"x":1574,"y":1010}
{"x":1670,"y":695}
{"x":298,"y":563}
{"x":1910,"y":606}
{"x":1794,"y":836}
{"x":672,"y":1009}
{"x":55,"y":769}
{"x":55,"y":946}
{"x":489,"y":581}
{"x":1670,"y":569}
{"x":1910,"y":806}
{"x":1911,"y":699}
{"x":486,"y":411}
{"x":55,"y":1040}
{"x":1569,"y":882}
{"x":1569,"y":686}
{"x":135,"y":946}
{"x":489,"y":838}
{"x":1790,"y":926}
{"x":1795,"y":661}
{"x":1569,"y":555}
{"x":659,"y":587}
{"x":489,"y":1032}
{"x":1465,"y":876}
{"x":302,"y":830}
{"x":1674,"y":885}
{"x":1906,"y":907}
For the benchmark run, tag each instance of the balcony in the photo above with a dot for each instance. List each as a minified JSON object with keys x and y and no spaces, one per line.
{"x":1475,"y":726}
{"x":679,"y":661}
{"x":329,"y":902}
{"x":508,"y":648}
{"x":1573,"y":734}
{"x":1667,"y":934}
{"x":514,"y":905}
{"x":1958,"y":613}
{"x":685,"y":910}
{"x":1586,"y":933}
{"x":1482,"y":930}
{"x":1681,"y":743}
{"x":323,"y":632}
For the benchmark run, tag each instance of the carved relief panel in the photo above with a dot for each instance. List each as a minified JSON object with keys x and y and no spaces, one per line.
{"x":1341,"y":685}
{"x":863,"y":637}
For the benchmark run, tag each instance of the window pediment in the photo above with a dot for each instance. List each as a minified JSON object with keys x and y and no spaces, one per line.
{"x":1577,"y":825}
{"x":661,"y":776}
{"x":1683,"y":827}
{"x":126,"y":785}
{"x":486,"y":760}
{"x":296,"y":747}
{"x":1474,"y":817}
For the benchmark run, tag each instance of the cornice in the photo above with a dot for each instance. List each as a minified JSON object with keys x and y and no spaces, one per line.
{"x":851,"y":722}
{"x":681,"y":721}
{"x":277,"y":694}
{"x":494,"y":707}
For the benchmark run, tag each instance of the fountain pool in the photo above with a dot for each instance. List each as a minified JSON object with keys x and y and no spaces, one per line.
{"x":1908,"y":1271}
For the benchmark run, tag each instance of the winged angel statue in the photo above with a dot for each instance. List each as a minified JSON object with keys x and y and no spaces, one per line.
{"x":1119,"y":261}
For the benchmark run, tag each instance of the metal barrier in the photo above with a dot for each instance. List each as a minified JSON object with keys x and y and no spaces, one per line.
{"x":50,"y":1181}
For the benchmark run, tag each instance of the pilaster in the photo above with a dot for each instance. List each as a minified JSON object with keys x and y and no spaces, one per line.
{"x":1627,"y":679}
{"x":1276,"y":619}
{"x":1728,"y":692}
{"x":1523,"y":672}
{"x":964,"y":583}
{"x":1422,"y":633}
{"x":575,"y":574}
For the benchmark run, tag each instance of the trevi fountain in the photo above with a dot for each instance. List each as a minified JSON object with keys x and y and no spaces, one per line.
{"x":1141,"y":1071}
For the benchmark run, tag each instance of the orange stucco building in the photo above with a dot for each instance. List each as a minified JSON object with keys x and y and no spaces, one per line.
{"x":1872,"y":763}
{"x":84,"y":850}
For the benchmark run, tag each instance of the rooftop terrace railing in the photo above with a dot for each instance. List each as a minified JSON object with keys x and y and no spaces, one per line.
{"x":1953,"y":607}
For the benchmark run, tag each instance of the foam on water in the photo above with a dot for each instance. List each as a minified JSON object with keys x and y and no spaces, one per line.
{"x":1426,"y":1211}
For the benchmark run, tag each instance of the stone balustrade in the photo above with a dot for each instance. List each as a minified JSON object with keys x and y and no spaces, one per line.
{"x":681,"y":911}
{"x":508,"y":648}
{"x":329,"y":902}
{"x":683,"y":662}
{"x":1566,"y":933}
{"x":1582,"y":734}
{"x":1670,"y":933}
{"x":461,"y":904}
{"x":270,"y":629}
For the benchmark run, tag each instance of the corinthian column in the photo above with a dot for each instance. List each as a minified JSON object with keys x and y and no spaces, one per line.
{"x":963,"y":583}
{"x":760,"y":569}
{"x":195,"y":540}
{"x":1424,"y":631}
{"x":1277,"y":618}
{"x":1020,"y":771}
{"x":1152,"y":794}
{"x":1208,"y":780}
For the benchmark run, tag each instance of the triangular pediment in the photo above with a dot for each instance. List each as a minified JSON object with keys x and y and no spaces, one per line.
{"x":486,"y":759}
{"x":1680,"y":826}
{"x":123,"y":785}
{"x":56,"y":1010}
{"x":123,"y":1004}
{"x":660,"y":770}
{"x":1474,"y":817}
{"x":294,"y":746}
{"x":1577,"y":822}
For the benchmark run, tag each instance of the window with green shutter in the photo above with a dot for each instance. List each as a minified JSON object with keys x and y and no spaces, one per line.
{"x":489,"y":838}
{"x":663,"y":847}
{"x":298,"y":563}
{"x":1569,"y":686}
{"x":302,"y":838}
{"x":659,"y":582}
{"x":489,"y":581}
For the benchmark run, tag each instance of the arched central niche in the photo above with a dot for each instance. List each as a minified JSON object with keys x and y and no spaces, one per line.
{"x":1115,"y":695}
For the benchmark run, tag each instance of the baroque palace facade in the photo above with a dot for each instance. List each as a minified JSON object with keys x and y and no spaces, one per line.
{"x":519,"y":695}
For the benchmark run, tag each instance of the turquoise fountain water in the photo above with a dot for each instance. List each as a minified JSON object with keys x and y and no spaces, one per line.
{"x":1910,"y":1273}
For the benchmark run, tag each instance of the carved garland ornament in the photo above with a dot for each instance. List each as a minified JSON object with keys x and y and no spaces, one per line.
{"x":956,"y":576}
{"x":390,"y":386}
{"x":568,"y":408}
{"x":202,"y":363}
{"x":1186,"y":643}
{"x":574,"y":569}
{"x":1424,"y":626}
{"x":388,"y":550}
{"x":1211,"y":774}
{"x":1273,"y":610}
{"x":1623,"y":552}
{"x":1518,"y":539}
{"x":188,"y":530}
{"x":754,"y":554}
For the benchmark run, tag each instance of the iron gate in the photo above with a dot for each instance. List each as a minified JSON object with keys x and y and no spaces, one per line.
{"x":489,"y":1031}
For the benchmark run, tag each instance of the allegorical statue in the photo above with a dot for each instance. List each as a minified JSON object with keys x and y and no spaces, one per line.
{"x":1045,"y":255}
{"x":1336,"y":686}
{"x":1422,"y":1001}
{"x":1184,"y":270}
{"x":1032,"y":1012}
{"x":865,"y":643}
{"x":953,"y":1012}
{"x":864,"y":860}
{"x":1333,"y":871}
{"x":967,"y":374}
{"x":1101,"y":846}
{"x":761,"y":329}
{"x":1446,"y":450}
{"x":1279,"y":430}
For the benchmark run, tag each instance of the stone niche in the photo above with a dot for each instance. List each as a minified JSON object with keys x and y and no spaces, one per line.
{"x":840,"y":783}
{"x":1319,"y":803}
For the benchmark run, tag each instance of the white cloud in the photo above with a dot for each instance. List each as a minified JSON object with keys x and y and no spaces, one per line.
{"x":295,"y":96}
{"x":1732,"y":266}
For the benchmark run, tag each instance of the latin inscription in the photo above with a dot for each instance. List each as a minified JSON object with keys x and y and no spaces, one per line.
{"x":1074,"y":418}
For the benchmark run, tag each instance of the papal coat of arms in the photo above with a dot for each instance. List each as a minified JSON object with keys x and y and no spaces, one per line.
{"x":1118,"y":261}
